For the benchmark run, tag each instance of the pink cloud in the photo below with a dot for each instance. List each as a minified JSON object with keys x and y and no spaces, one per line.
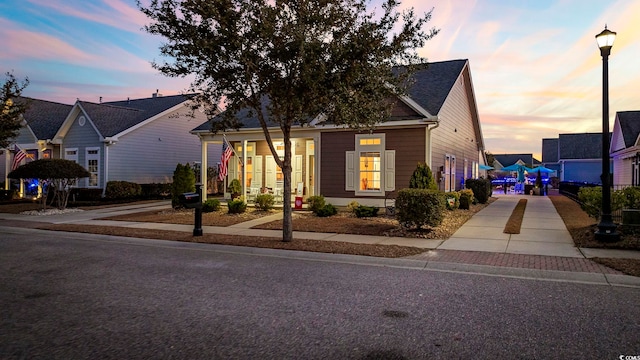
{"x":23,"y":44}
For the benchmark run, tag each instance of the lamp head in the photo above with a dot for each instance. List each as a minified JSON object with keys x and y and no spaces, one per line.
{"x":605,"y":39}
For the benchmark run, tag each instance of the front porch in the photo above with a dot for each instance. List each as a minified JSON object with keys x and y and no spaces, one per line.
{"x":254,"y":166}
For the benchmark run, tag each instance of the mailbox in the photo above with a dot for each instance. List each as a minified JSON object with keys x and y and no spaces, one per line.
{"x":191,"y":200}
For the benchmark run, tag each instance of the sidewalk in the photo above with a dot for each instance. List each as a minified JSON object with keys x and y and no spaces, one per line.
{"x":543,"y":244}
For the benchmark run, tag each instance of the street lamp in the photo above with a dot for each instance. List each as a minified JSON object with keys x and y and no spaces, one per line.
{"x":606,"y":228}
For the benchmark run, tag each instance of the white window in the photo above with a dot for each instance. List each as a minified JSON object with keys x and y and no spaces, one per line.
{"x":71,"y":154}
{"x":93,"y":166}
{"x":370,"y":169}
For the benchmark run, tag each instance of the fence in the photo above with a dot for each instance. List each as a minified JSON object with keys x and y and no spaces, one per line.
{"x":570,"y":189}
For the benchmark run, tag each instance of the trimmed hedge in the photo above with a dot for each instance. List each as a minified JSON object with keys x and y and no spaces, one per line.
{"x":366,"y":211}
{"x":264,"y":202}
{"x":420,"y":207}
{"x":211,"y":205}
{"x":481,"y":189}
{"x":236,"y":206}
{"x":466,"y":199}
{"x":122,"y":190}
{"x":315,"y":203}
{"x":326,"y":210}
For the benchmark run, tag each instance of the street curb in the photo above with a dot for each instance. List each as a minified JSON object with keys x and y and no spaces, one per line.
{"x":423,"y":265}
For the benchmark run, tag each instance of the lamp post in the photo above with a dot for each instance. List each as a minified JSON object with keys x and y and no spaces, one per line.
{"x":606,"y":227}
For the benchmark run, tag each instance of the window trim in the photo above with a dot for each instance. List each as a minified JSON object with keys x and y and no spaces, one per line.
{"x":89,"y":157}
{"x":379,"y":148}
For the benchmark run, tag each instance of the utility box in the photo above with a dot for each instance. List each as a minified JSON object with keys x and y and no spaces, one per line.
{"x":631,"y":217}
{"x":191,"y":200}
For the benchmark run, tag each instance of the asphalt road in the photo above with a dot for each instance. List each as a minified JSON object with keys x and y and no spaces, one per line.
{"x":93,"y":297}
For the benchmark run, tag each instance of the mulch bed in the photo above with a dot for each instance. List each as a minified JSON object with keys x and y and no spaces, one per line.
{"x":515,"y":220}
{"x":323,"y":246}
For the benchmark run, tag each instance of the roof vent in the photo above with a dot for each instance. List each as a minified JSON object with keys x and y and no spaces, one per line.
{"x":156,"y":94}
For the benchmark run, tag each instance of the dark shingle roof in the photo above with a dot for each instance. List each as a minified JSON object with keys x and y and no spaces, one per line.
{"x":433,"y":84}
{"x":630,"y":125}
{"x":112,"y":118}
{"x":549,"y":150}
{"x":580,"y":146}
{"x":510,"y":159}
{"x":45,"y":117}
{"x":430,"y":89}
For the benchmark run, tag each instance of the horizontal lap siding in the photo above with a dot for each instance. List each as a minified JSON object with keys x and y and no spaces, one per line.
{"x":456,"y":134}
{"x":409,"y":144}
{"x":82,"y":137}
{"x":150,"y":153}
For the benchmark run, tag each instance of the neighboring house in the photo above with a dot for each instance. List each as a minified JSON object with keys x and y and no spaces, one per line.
{"x":625,"y":148}
{"x":504,"y":160}
{"x":578,"y":156}
{"x":41,"y":121}
{"x":139,"y":140}
{"x":437,"y":124}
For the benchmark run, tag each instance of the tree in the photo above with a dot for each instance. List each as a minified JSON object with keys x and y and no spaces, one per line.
{"x":12,"y":108}
{"x":290,"y":62}
{"x":184,"y":180}
{"x":57,"y":175}
{"x":422,"y":178}
{"x":490,"y":158}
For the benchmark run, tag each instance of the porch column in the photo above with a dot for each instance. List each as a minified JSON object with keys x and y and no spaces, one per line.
{"x":203,"y":167}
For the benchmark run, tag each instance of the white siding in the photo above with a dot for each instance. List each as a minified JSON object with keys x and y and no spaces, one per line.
{"x":150,"y":153}
{"x":622,"y":171}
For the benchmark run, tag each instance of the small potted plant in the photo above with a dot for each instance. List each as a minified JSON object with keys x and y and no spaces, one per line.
{"x":235,"y":188}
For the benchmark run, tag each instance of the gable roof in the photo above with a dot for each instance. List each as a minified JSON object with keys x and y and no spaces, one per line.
{"x":112,"y":118}
{"x":429,"y":91}
{"x":434,"y":83}
{"x":510,"y":159}
{"x":630,"y":126}
{"x":580,"y":146}
{"x":44,"y":118}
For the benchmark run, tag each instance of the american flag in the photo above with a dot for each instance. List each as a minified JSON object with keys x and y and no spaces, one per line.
{"x":18,"y":157}
{"x":227,"y":151}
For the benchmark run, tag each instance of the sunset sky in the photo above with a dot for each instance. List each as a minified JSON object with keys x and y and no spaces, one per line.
{"x":536,"y":68}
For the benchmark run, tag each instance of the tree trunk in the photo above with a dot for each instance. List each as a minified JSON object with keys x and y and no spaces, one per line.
{"x":287,"y":222}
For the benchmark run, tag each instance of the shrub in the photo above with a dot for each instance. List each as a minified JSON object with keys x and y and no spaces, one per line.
{"x":590,"y":199}
{"x":326,"y":210}
{"x":235,"y":188}
{"x":264,"y":201}
{"x":122,"y":190}
{"x":481,"y":189}
{"x":352,"y":206}
{"x":155,"y":191}
{"x":632,"y":197}
{"x":466,"y":199}
{"x":184,"y":180}
{"x":419,"y":207}
{"x":211,"y":205}
{"x":422,"y":178}
{"x":315,"y":203}
{"x":237,"y":206}
{"x":366,"y":211}
{"x":452,"y":200}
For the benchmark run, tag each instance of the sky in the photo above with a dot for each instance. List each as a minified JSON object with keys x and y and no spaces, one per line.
{"x":535,"y":65}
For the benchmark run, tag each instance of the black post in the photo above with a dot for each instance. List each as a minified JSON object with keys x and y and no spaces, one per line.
{"x":197,"y":227}
{"x":606,"y":228}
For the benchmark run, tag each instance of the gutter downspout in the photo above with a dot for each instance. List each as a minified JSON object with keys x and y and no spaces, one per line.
{"x":429,"y":149}
{"x":107,"y":142}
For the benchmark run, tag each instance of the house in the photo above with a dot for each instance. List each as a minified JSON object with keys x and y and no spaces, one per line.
{"x":625,"y":148}
{"x":576,"y":157}
{"x":437,"y":123}
{"x":503,"y":160}
{"x":41,"y":121}
{"x":140,"y":140}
